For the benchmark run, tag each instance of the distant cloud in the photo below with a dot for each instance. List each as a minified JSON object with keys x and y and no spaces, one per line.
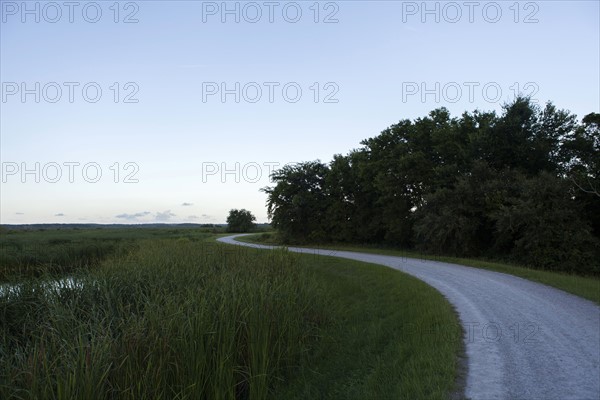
{"x":20,"y":213}
{"x":133,"y":217}
{"x":187,"y":204}
{"x":59,"y":215}
{"x":158,"y":216}
{"x":193,"y":217}
{"x":164,"y":216}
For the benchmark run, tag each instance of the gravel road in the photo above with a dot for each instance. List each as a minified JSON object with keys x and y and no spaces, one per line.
{"x":523,"y":340}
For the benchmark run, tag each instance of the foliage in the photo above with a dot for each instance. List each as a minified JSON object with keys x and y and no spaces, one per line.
{"x":458,"y":186}
{"x":297,"y":204}
{"x":545,"y":228}
{"x":457,"y":220}
{"x":240,"y":221}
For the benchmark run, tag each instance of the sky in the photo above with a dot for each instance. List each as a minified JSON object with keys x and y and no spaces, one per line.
{"x":177,"y":111}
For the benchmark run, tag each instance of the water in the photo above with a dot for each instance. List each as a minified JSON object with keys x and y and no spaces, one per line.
{"x":48,"y":286}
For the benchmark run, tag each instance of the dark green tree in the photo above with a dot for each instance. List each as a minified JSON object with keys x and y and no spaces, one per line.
{"x":523,"y":184}
{"x":581,"y":155}
{"x":240,"y":221}
{"x":297,"y":204}
{"x":511,"y":136}
{"x":544,"y":224}
{"x":341,"y":188}
{"x":458,"y":219}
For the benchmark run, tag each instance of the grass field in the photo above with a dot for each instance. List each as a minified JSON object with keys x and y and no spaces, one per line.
{"x":174,"y":315}
{"x":30,"y":253}
{"x":587,"y":287}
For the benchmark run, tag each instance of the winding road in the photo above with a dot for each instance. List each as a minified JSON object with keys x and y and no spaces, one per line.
{"x":523,"y":340}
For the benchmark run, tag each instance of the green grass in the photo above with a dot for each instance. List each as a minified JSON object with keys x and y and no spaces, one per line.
{"x":31,"y":253}
{"x":178,"y":319}
{"x":189,"y":318}
{"x":391,"y":337}
{"x":587,"y":287}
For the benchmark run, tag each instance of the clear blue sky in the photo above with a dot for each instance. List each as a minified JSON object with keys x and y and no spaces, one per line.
{"x":370,"y":61}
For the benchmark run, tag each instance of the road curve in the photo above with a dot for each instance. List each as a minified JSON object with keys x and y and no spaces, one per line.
{"x":523,"y":340}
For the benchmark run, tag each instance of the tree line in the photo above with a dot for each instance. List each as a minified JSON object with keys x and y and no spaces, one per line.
{"x":521,"y":185}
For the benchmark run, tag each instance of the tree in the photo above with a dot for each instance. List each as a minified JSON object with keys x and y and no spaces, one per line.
{"x":580,"y":155}
{"x":523,"y":185}
{"x":545,"y":226}
{"x":458,"y":219}
{"x":240,"y":221}
{"x":582,"y":149}
{"x":297,"y":204}
{"x":341,"y":184}
{"x":510,"y":138}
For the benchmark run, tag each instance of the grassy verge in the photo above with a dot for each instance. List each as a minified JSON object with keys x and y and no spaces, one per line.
{"x":184,"y":318}
{"x":391,"y":336}
{"x":586,"y":287}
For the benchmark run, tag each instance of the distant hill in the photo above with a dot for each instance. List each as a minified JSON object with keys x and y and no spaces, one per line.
{"x":103,"y":226}
{"x":117,"y":226}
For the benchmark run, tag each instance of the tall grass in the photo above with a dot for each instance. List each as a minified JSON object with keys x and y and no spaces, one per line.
{"x":189,"y":319}
{"x":18,"y":260}
{"x":33,"y":253}
{"x":174,"y":320}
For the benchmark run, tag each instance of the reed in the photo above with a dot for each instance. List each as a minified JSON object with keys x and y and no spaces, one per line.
{"x":174,"y":320}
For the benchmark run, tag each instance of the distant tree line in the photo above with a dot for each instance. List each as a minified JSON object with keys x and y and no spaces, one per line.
{"x":523,"y":185}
